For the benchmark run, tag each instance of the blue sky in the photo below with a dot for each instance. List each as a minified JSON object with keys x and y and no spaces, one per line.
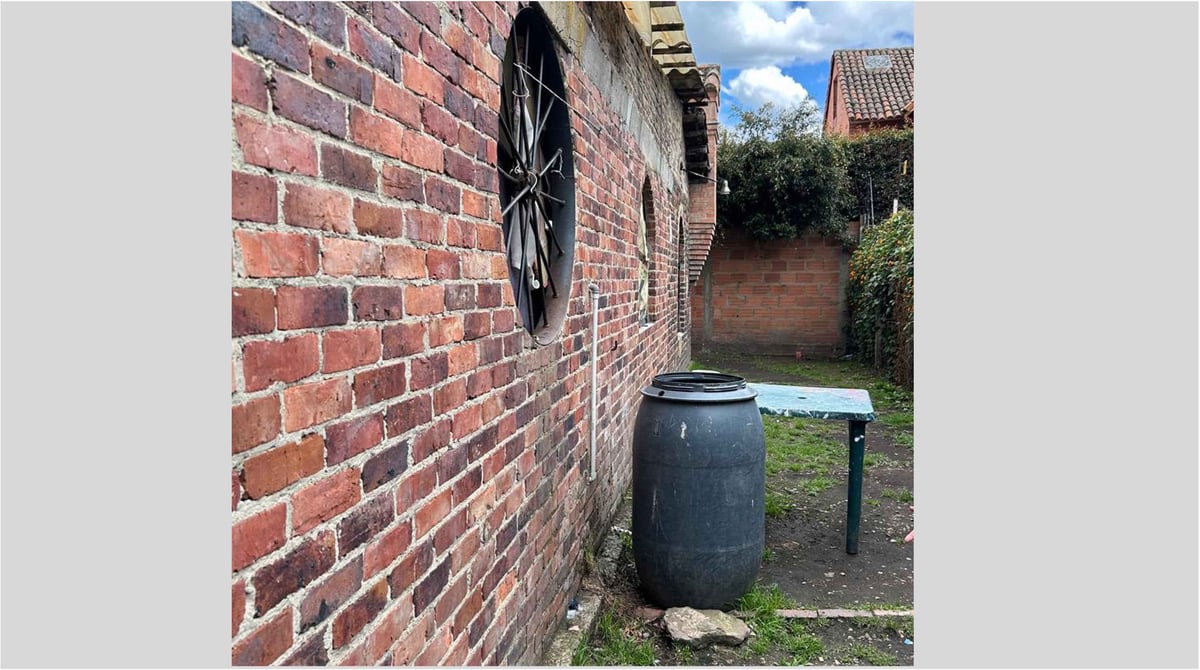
{"x":779,"y":51}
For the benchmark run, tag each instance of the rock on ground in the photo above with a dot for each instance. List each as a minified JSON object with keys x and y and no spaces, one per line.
{"x":700,"y":628}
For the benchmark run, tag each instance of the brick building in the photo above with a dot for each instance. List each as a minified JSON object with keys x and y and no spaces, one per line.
{"x":418,"y":214}
{"x":869,"y":89}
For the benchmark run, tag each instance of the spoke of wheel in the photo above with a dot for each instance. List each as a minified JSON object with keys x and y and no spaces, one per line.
{"x":547,"y":195}
{"x":515,"y":200}
{"x":521,"y":283}
{"x":504,"y":173}
{"x":549,"y":224}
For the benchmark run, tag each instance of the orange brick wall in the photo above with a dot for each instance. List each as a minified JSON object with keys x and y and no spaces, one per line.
{"x":779,"y":297}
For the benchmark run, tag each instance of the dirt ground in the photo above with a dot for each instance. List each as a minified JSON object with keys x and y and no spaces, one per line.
{"x":806,"y":546}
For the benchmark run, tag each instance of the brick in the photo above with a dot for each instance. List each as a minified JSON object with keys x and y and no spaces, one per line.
{"x":267,"y":642}
{"x":361,"y":612}
{"x":255,"y":422}
{"x":427,"y":14}
{"x":346,"y":349}
{"x":419,"y":484}
{"x":439,"y":123}
{"x":460,"y":233}
{"x":386,"y":548}
{"x":254,"y":198}
{"x":311,"y":652}
{"x":315,"y":403}
{"x":375,"y":50}
{"x":239,"y":605}
{"x":442,"y":195}
{"x":470,"y":142}
{"x":253,"y":311}
{"x":459,"y":166}
{"x":378,"y":220}
{"x":424,"y":300}
{"x":249,"y":83}
{"x":449,"y":397}
{"x":327,"y":20}
{"x":422,"y":151}
{"x":269,"y":37}
{"x":317,"y":208}
{"x":429,"y":587}
{"x":503,"y":321}
{"x":331,"y":593}
{"x":452,"y":596}
{"x":342,"y":258}
{"x":467,"y":484}
{"x":441,"y":264}
{"x":398,"y":25}
{"x":438,"y":55}
{"x":376,"y":133}
{"x":275,"y":147}
{"x":428,"y":370}
{"x":403,"y":184}
{"x":292,"y":359}
{"x":403,"y":339}
{"x":324,"y":499}
{"x":412,"y":566}
{"x":378,"y":303}
{"x":430,"y":440}
{"x":348,"y":168}
{"x":259,"y":535}
{"x":303,"y":564}
{"x":408,"y":414}
{"x":477,"y":325}
{"x":299,"y":102}
{"x":467,"y":421}
{"x":424,"y":226}
{"x":462,"y":358}
{"x":488,"y":236}
{"x":270,"y":254}
{"x":384,"y":466}
{"x":403,"y":262}
{"x":391,"y":626}
{"x":488,"y":295}
{"x":445,"y":330}
{"x":398,"y":103}
{"x":372,"y":386}
{"x":281,"y":466}
{"x":342,"y":74}
{"x":237,"y":490}
{"x":434,"y":650}
{"x":460,"y":296}
{"x":423,"y":80}
{"x":312,"y":306}
{"x":478,"y":384}
{"x":350,"y":438}
{"x":466,"y":614}
{"x":364,"y":522}
{"x":459,"y":42}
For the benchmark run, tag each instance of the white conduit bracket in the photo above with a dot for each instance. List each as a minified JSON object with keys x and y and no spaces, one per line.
{"x":594,"y":293}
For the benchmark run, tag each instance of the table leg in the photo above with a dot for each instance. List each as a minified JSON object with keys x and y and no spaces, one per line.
{"x":858,"y":447}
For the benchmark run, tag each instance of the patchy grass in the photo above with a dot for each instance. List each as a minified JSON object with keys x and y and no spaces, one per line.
{"x":777,"y":504}
{"x":898,"y":419}
{"x":861,"y":654}
{"x":773,"y":633}
{"x":613,"y":643}
{"x":798,"y":445}
{"x":899,"y":624}
{"x":903,"y":495}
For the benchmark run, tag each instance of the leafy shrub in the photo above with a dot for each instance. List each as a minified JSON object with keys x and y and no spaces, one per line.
{"x":880,"y":294}
{"x":879,"y":165}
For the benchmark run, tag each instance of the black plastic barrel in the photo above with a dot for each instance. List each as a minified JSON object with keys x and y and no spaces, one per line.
{"x":698,"y":484}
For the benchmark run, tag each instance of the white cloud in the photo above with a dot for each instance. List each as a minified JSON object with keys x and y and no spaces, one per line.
{"x":757,"y":85}
{"x":756,"y":34}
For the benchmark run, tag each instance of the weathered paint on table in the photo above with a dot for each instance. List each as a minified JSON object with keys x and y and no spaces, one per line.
{"x":837,"y":404}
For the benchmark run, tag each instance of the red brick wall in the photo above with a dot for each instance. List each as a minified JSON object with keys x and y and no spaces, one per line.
{"x":409,"y":475}
{"x":778,"y":297}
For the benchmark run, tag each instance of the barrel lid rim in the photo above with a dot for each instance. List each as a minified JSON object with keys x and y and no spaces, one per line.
{"x":699,"y":382}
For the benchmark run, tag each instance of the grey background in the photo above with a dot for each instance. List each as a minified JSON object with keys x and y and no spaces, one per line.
{"x":1056,"y":335}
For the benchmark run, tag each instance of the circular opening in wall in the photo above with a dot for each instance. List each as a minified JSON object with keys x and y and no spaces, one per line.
{"x":537,"y":188}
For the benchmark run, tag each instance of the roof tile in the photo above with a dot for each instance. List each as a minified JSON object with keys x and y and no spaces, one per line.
{"x":875,"y":93}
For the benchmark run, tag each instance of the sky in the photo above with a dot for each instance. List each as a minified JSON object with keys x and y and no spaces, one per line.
{"x":780,"y":51}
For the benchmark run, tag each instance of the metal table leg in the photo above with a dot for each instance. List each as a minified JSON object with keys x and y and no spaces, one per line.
{"x":858,"y":447}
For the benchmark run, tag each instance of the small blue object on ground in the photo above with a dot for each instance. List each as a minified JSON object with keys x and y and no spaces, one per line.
{"x":836,"y":404}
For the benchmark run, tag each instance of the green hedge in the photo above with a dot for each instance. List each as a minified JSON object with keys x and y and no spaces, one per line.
{"x":881,"y":162}
{"x":880,"y":293}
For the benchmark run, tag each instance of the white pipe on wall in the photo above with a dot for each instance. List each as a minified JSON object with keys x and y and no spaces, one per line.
{"x":594,"y":293}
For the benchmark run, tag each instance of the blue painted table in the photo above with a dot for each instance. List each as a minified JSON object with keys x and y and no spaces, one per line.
{"x":852,"y":405}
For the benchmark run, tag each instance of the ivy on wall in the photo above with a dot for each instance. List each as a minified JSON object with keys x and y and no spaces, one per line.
{"x":880,"y":294}
{"x":879,"y":165}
